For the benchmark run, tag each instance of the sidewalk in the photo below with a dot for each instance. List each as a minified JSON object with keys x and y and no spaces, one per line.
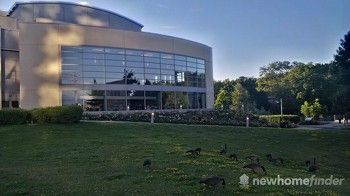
{"x":331,"y":125}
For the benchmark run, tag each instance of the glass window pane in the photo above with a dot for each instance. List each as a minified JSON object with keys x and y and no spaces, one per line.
{"x":166,"y":66}
{"x":168,"y":100}
{"x":152,"y":65}
{"x":115,"y":63}
{"x":191,"y":69}
{"x":167,"y":61}
{"x":153,"y":100}
{"x":115,"y":57}
{"x":94,"y":74}
{"x":93,"y":55}
{"x":135,"y":100}
{"x":180,"y":68}
{"x":134,"y":64}
{"x":114,"y":51}
{"x":94,"y":80}
{"x":167,"y":56}
{"x":114,"y":69}
{"x":93,"y":49}
{"x":93,"y":100}
{"x":152,"y":71}
{"x":134,"y":70}
{"x":200,"y":66}
{"x":180,"y":57}
{"x":200,"y":61}
{"x":151,"y":54}
{"x":152,"y":60}
{"x":183,"y":63}
{"x":155,"y":77}
{"x":169,"y":72}
{"x":201,"y":70}
{"x":94,"y":68}
{"x":134,"y":52}
{"x":134,"y":58}
{"x":115,"y":80}
{"x":116,"y":104}
{"x":191,"y":59}
{"x":71,"y":80}
{"x":114,"y":75}
{"x":100,"y":62}
{"x":190,"y":64}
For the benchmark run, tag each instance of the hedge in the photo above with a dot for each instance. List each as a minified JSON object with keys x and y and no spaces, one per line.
{"x":14,"y":116}
{"x":291,"y":119}
{"x":58,"y":114}
{"x":207,"y":117}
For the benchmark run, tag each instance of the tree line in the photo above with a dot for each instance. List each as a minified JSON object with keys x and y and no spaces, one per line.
{"x":311,"y":89}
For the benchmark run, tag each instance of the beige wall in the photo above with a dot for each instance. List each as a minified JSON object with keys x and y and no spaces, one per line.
{"x":40,"y":55}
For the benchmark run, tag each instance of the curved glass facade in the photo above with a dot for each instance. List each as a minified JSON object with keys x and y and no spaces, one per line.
{"x":103,"y":66}
{"x":100,"y":65}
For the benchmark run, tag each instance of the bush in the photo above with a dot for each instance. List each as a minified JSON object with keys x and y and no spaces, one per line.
{"x":207,"y":117}
{"x":284,"y":120}
{"x":58,"y":114}
{"x":14,"y":116}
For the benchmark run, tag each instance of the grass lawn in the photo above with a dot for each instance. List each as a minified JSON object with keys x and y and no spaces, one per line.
{"x":96,"y":158}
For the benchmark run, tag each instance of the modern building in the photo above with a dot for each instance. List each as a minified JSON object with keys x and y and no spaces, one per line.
{"x":58,"y":53}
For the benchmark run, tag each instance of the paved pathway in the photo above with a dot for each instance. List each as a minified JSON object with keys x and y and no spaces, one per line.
{"x":330,"y":125}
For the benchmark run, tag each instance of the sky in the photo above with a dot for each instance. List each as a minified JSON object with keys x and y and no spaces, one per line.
{"x":244,"y":34}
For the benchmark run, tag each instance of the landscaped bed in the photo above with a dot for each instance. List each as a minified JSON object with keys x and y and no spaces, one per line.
{"x":106,"y":158}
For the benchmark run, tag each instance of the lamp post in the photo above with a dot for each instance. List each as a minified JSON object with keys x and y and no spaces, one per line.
{"x":281,"y":102}
{"x":152,"y":117}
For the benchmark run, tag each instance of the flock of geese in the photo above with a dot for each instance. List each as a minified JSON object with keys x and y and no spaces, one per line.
{"x":254,"y":165}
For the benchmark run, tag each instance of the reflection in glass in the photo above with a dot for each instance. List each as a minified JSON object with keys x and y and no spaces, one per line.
{"x":153,"y":100}
{"x":181,"y":100}
{"x":116,"y":100}
{"x":168,"y":100}
{"x":135,"y":100}
{"x":93,"y":100}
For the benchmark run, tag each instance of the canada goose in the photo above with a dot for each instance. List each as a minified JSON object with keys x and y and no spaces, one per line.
{"x":147,"y":163}
{"x":233,"y":156}
{"x":198,"y":150}
{"x":224,"y":150}
{"x":312,"y":167}
{"x":213,"y":181}
{"x":256,"y":168}
{"x":193,"y":152}
{"x":253,"y":158}
{"x":274,"y":159}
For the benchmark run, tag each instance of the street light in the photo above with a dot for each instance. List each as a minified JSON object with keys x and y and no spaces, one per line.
{"x":281,"y":101}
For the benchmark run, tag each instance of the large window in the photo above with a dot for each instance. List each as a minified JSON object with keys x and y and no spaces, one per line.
{"x":121,"y":100}
{"x":100,"y":65}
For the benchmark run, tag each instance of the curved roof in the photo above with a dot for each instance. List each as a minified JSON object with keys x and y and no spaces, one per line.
{"x":15,"y":5}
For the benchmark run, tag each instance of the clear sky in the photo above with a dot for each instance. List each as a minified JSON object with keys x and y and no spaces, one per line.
{"x":244,"y":34}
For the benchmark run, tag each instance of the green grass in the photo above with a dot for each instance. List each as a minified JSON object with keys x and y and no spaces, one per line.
{"x":96,"y":158}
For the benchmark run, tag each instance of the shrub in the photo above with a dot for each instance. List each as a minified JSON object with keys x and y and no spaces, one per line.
{"x":14,"y":116}
{"x":58,"y":114}
{"x":284,"y":120}
{"x":208,"y":117}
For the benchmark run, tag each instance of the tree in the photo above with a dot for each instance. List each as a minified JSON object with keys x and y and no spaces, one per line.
{"x":223,"y":100}
{"x":312,"y":110}
{"x":259,"y":98}
{"x":241,"y":101}
{"x":341,"y":100}
{"x":272,"y":80}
